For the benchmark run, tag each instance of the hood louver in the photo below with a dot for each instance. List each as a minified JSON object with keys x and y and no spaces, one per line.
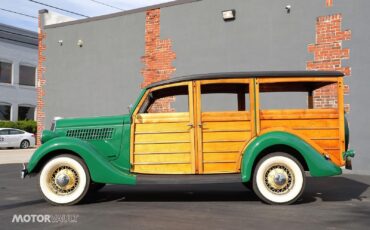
{"x":91,"y":134}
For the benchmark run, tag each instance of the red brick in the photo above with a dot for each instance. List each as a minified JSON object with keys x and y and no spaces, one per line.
{"x":328,"y":55}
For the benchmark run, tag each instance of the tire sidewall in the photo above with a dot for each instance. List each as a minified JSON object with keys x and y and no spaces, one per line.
{"x":25,"y":141}
{"x":260,"y":188}
{"x":82,"y":188}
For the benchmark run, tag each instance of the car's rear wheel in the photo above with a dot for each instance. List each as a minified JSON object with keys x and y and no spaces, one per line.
{"x":278,"y":179}
{"x":25,"y":144}
{"x":64,"y":180}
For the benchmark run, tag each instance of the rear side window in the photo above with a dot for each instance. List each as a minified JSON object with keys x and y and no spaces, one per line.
{"x":14,"y":132}
{"x":297,"y":95}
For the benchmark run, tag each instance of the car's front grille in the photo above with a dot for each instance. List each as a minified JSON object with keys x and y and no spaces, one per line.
{"x":91,"y":134}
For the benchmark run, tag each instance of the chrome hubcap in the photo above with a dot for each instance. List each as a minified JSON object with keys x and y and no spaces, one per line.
{"x":279,"y":179}
{"x":63,"y":180}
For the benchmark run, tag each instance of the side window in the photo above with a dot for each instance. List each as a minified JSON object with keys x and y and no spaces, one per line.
{"x":168,"y":100}
{"x":225,"y":97}
{"x":4,"y":132}
{"x":15,"y":132}
{"x":295,"y":95}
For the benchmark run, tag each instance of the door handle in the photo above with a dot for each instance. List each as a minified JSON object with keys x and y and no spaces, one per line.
{"x":191,"y":125}
{"x":200,"y":125}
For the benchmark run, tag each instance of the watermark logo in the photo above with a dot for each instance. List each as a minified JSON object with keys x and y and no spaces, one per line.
{"x":45,"y":218}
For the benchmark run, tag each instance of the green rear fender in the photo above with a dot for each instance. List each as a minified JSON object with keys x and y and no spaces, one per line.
{"x":317,"y":164}
{"x":101,"y":170}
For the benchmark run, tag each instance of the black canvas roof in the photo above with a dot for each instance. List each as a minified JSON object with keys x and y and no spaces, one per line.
{"x":249,"y":75}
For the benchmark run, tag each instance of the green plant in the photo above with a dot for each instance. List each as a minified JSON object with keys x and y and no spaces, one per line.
{"x":26,"y":125}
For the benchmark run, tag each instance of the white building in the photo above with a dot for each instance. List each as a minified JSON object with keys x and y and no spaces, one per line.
{"x":18,"y":62}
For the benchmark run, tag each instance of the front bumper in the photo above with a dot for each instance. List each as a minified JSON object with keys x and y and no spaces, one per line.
{"x":24,"y":171}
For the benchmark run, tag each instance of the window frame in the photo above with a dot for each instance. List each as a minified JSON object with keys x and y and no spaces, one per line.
{"x":28,"y":106}
{"x":240,"y":107}
{"x":329,"y":80}
{"x":19,"y":74}
{"x":11,"y":71}
{"x":11,"y":109}
{"x":149,"y":91}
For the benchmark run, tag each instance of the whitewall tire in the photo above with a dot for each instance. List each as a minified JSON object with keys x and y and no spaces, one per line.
{"x":64,"y":180}
{"x":279,"y":178}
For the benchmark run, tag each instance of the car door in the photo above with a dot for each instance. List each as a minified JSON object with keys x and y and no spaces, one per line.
{"x":223,"y":124}
{"x":4,"y":138}
{"x":15,"y":137}
{"x":162,"y":134}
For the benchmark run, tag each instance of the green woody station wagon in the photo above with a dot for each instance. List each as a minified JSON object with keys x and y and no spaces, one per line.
{"x":211,"y":128}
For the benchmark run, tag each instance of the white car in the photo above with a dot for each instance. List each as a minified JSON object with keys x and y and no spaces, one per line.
{"x":16,"y":138}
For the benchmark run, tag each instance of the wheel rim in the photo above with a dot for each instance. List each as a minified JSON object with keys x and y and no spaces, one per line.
{"x":279,"y":179}
{"x":24,"y":144}
{"x":63,"y":180}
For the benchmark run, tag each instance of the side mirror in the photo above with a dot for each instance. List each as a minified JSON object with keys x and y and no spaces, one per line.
{"x":130,"y":108}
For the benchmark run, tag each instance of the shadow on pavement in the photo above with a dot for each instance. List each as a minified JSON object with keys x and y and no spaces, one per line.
{"x":326,"y":189}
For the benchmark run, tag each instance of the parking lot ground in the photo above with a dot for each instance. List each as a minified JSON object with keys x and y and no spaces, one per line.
{"x":8,"y":156}
{"x":328,"y":203}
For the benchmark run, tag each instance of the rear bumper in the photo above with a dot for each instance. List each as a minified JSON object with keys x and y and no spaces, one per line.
{"x":347,"y":156}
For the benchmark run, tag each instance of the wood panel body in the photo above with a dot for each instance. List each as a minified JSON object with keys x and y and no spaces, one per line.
{"x":163,"y":143}
{"x":323,"y":127}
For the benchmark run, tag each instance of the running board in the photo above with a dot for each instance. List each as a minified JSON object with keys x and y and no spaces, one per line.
{"x":188,"y":179}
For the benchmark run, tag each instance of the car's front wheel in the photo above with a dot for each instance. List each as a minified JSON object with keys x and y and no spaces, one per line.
{"x":64,"y":180}
{"x":278,"y":179}
{"x":25,"y":144}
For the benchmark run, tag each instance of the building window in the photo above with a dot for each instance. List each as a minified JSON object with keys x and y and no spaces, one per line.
{"x":5,"y":72}
{"x":27,"y":75}
{"x":26,"y":113}
{"x":5,"y":112}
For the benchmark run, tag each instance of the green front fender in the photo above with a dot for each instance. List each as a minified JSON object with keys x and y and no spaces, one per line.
{"x":317,"y":164}
{"x":101,"y":170}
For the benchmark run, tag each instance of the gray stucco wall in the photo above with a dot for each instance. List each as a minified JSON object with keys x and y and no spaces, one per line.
{"x":103,"y":77}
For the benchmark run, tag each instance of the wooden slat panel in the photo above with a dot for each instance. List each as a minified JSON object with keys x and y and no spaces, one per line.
{"x":220,"y":157}
{"x":219,"y":167}
{"x":319,"y":133}
{"x":324,"y":123}
{"x":164,"y":169}
{"x":223,"y":136}
{"x":160,"y":137}
{"x":162,"y":127}
{"x":160,"y":158}
{"x":222,"y":146}
{"x":182,"y":147}
{"x":319,"y":125}
{"x":230,"y":126}
{"x":146,"y":118}
{"x":328,"y":143}
{"x":299,"y":114}
{"x":225,"y":116}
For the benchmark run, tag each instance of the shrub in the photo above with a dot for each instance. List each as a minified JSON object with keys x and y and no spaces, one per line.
{"x":27,"y":125}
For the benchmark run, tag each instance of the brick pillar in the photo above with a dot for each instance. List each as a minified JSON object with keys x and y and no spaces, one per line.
{"x":40,"y":115}
{"x":158,"y":57}
{"x":328,"y":55}
{"x":329,"y":3}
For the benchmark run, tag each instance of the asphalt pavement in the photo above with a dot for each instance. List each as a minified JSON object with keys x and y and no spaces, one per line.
{"x":328,"y":203}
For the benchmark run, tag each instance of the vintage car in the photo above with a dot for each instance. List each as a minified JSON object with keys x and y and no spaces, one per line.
{"x":226,"y":127}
